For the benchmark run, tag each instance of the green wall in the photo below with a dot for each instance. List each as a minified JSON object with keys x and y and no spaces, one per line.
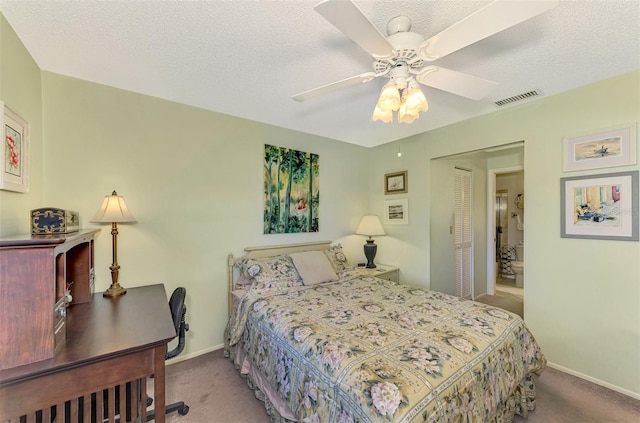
{"x":192,"y":178}
{"x":20,"y":90}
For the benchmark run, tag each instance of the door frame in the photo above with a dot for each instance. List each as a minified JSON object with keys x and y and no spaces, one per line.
{"x":491,"y":223}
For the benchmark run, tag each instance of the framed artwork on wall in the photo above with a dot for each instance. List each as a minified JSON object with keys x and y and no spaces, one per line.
{"x":600,"y":206}
{"x":14,"y":165}
{"x":396,"y":212}
{"x":396,"y":183}
{"x":291,"y":190}
{"x":606,"y":148}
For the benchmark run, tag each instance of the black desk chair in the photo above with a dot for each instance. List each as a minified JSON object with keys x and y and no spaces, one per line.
{"x":178,"y":311}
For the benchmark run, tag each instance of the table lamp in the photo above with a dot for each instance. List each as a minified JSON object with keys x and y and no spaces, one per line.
{"x":370,"y":226}
{"x":113,"y":210}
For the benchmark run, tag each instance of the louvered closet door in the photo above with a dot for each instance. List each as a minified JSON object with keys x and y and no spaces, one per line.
{"x":462,"y":232}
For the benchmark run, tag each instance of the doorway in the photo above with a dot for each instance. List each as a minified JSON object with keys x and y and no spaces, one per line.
{"x":502,"y":223}
{"x":505,"y":189}
{"x":485,"y":165}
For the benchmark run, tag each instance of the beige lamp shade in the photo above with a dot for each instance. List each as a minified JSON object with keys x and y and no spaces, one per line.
{"x":370,"y":226}
{"x":113,"y":209}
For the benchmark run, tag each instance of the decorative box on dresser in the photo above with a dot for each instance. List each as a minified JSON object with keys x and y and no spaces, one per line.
{"x":35,"y":273}
{"x":390,"y":273}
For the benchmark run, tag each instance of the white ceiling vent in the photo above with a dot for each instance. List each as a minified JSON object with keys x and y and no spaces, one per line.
{"x":518,"y":98}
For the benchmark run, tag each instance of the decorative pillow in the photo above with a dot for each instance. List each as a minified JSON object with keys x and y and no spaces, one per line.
{"x":243,"y":281}
{"x":275,"y":267}
{"x":270,"y":273}
{"x":313,"y":267}
{"x":337,"y":259}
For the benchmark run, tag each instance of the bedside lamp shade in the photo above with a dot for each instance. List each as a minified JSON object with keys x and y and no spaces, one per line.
{"x":114,"y":210}
{"x":370,"y":226}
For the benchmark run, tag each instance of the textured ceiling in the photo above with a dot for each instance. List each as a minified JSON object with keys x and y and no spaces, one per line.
{"x":247,"y":58}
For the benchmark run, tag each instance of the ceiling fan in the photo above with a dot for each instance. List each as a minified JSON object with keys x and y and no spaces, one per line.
{"x":404,"y":55}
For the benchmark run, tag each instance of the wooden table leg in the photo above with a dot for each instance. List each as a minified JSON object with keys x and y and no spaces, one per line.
{"x":158,"y":383}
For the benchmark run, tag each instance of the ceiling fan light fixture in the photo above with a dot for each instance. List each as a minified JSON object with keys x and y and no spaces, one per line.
{"x":406,"y":114}
{"x":415,"y":99}
{"x":379,"y":114}
{"x":402,"y":55}
{"x":389,"y":99}
{"x":401,"y":95}
{"x":406,"y":117}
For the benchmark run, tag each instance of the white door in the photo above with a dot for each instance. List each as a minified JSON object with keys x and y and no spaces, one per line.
{"x":463,"y":245}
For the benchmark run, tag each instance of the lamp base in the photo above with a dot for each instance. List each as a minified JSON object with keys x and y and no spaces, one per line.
{"x":370,"y":250}
{"x":114,"y":291}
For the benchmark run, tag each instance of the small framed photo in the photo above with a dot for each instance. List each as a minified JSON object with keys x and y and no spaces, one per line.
{"x":396,"y":183}
{"x":396,"y":212}
{"x":606,"y":148}
{"x":600,"y":206}
{"x":14,"y":164}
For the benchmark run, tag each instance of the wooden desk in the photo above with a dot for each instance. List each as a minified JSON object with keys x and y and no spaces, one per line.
{"x":110,"y":342}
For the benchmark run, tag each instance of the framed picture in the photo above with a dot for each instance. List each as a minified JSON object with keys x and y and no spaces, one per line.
{"x":291,"y":199}
{"x":396,"y":212}
{"x":14,"y":166}
{"x":600,"y":206}
{"x":606,"y":148}
{"x":396,"y":183}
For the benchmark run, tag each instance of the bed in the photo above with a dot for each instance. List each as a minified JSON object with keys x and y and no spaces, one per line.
{"x":335,"y":346}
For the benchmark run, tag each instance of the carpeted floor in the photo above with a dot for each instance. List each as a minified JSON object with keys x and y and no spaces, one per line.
{"x":216,"y":393}
{"x":504,"y":300}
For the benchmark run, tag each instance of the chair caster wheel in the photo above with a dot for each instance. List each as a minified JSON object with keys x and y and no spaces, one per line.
{"x":184,"y":410}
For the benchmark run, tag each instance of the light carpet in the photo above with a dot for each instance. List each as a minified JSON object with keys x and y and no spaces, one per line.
{"x":216,"y":393}
{"x":505,"y":301}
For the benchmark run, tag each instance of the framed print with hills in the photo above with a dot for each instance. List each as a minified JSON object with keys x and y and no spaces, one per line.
{"x":396,"y":183}
{"x":606,"y":148}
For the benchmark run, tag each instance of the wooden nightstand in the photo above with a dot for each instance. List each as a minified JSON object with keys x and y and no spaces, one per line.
{"x":390,"y":273}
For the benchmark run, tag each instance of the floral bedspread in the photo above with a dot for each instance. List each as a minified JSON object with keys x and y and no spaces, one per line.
{"x":369,"y":350}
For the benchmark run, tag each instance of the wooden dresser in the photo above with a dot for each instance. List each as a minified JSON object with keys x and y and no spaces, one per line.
{"x":35,"y":271}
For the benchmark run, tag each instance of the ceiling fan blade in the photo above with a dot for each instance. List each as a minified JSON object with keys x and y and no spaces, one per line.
{"x":455,"y":82}
{"x":329,"y":88}
{"x":491,"y":19}
{"x":346,"y":16}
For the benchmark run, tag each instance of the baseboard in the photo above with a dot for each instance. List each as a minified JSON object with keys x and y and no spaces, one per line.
{"x":602,"y":383}
{"x":183,"y":357}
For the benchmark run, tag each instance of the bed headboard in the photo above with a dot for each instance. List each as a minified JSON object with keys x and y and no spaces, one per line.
{"x":268,"y":251}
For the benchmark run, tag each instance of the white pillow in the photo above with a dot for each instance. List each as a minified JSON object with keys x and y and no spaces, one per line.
{"x":313,"y":267}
